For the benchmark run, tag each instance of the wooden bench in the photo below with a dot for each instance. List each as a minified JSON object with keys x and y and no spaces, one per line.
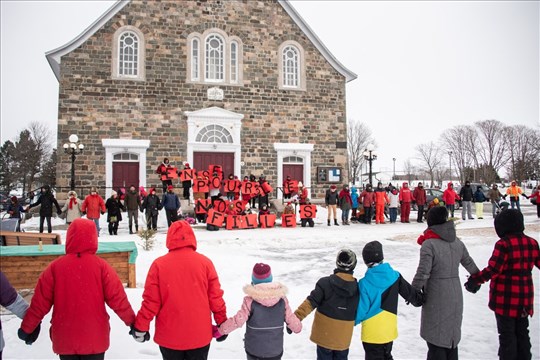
{"x":23,"y":264}
{"x":12,"y":238}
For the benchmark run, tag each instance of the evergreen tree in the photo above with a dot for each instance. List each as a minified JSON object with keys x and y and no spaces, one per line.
{"x":8,"y":178}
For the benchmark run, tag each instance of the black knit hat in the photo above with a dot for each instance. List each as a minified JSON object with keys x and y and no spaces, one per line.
{"x":372,"y":253}
{"x":346,"y":260}
{"x":509,"y":222}
{"x":437,"y":215}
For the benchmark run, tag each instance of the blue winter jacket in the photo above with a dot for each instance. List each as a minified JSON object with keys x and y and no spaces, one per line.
{"x":354,"y":197}
{"x":377,"y":308}
{"x":479,"y":196}
{"x":170,"y":201}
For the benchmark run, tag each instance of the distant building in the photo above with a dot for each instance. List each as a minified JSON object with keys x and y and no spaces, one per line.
{"x":242,"y":84}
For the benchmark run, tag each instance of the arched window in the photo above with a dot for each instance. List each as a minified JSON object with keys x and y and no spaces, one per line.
{"x":128,"y":54}
{"x":195,"y":59}
{"x":126,"y":157}
{"x":291,"y":67}
{"x":214,"y":59}
{"x":293,"y":160}
{"x":214,"y":134}
{"x":234,"y":62}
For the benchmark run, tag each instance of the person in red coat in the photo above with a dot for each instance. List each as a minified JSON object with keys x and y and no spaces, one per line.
{"x":381,"y":199}
{"x":93,"y":205}
{"x":405,"y":197}
{"x":419,"y":196}
{"x":368,"y":201}
{"x":77,"y":286}
{"x":182,"y":291}
{"x":511,"y":291}
{"x":449,"y":197}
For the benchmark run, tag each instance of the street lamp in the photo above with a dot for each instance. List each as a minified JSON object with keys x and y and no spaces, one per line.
{"x":394,"y":174}
{"x":450,"y":163}
{"x":370,"y":155}
{"x":73,"y":148}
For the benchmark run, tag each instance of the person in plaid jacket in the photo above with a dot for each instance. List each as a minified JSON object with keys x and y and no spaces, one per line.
{"x":511,"y":292}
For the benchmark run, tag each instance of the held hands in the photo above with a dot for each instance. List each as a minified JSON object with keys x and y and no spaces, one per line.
{"x":217,"y":335}
{"x":29,"y":339}
{"x":138,"y":335}
{"x":418,"y":298}
{"x":472,"y":286}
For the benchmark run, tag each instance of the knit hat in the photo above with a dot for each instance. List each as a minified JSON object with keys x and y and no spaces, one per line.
{"x":14,"y":199}
{"x":170,"y":187}
{"x":71,"y":192}
{"x":333,"y":187}
{"x":509,"y":222}
{"x":300,"y":184}
{"x":186,"y":165}
{"x":346,"y":260}
{"x":372,"y":253}
{"x":437,"y":215}
{"x":113,"y":193}
{"x":261,"y":274}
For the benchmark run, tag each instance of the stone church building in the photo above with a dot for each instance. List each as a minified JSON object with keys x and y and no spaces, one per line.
{"x":243,"y":84}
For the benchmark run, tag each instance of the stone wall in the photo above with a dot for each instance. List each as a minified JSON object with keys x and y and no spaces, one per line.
{"x":95,"y":106}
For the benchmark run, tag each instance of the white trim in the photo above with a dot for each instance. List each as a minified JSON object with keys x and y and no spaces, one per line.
{"x":54,"y":56}
{"x":115,"y":146}
{"x":198,"y":120}
{"x":300,"y":150}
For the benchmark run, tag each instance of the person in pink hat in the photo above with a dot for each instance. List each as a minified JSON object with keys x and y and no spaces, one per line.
{"x":265,"y":309}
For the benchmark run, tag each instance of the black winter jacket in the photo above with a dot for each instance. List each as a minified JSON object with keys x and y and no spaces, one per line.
{"x":113,"y":209}
{"x":47,"y":200}
{"x":466,"y":193}
{"x":151,"y":205}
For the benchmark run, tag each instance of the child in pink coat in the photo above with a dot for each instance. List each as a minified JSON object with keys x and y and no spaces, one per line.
{"x":265,"y":309}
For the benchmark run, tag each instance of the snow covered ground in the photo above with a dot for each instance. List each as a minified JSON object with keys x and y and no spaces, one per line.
{"x":299,"y":257}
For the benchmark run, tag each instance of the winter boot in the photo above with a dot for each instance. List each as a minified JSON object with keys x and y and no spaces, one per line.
{"x":136,"y":228}
{"x":328,"y":222}
{"x":130,"y":231}
{"x":335,"y":222}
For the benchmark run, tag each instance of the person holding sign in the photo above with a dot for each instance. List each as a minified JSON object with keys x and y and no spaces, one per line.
{"x":288,"y":187}
{"x":307,"y":213}
{"x":186,"y":180}
{"x":163,"y":171}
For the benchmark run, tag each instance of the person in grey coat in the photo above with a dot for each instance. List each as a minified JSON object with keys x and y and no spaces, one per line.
{"x":72,"y":207}
{"x":438,"y":275}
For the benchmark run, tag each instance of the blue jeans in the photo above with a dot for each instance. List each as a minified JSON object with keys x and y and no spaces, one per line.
{"x":327,"y":354}
{"x":96,"y":221}
{"x":393,"y":215}
{"x":345,"y":215}
{"x":514,"y":202}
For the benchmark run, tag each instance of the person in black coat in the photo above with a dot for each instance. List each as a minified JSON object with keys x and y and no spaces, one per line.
{"x":46,"y":200}
{"x":151,"y":205}
{"x":466,"y":195}
{"x":114,"y":212}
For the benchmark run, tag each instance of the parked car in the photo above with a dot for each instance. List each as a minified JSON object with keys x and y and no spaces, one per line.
{"x":4,"y":202}
{"x":432,"y":193}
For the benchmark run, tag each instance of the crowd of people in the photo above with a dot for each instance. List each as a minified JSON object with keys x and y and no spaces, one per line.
{"x":183,"y":294}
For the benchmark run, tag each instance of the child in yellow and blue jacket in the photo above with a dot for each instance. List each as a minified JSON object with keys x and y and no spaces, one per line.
{"x":377,"y":308}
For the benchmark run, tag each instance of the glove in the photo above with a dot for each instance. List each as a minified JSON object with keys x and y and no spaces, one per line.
{"x":102,"y":212}
{"x":472,"y":286}
{"x":217,"y":335}
{"x":59,"y":212}
{"x":138,"y":335}
{"x":289,"y":331}
{"x":29,"y":339}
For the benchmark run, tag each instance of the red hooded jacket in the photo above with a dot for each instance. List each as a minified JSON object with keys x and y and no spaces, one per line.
{"x":405,"y":194}
{"x":79,"y":285}
{"x":92,"y":205}
{"x":449,"y":195}
{"x":182,"y":290}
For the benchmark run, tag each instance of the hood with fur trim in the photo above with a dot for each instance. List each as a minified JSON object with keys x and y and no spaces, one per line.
{"x":180,"y":235}
{"x":81,"y":237}
{"x":266,"y":294}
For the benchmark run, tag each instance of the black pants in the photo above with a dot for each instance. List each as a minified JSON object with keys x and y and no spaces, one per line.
{"x":327,"y":354}
{"x":83,"y":357}
{"x":538,"y":208}
{"x":186,"y":193}
{"x":307,"y":222}
{"x":378,"y":351}
{"x":151,"y":221}
{"x":368,"y":214}
{"x":420,"y":217}
{"x":440,"y":353}
{"x":113,"y":228}
{"x":514,"y":341}
{"x":193,"y":354}
{"x":172,"y":216}
{"x":42,"y":220}
{"x":165,"y":183}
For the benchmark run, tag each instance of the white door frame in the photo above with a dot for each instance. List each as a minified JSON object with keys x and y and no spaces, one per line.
{"x":291,"y":149}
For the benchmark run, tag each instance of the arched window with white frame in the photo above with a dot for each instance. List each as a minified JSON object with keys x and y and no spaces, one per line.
{"x":214,"y":58}
{"x":291,"y":67}
{"x":195,"y":59}
{"x":128,"y":54}
{"x":214,"y":134}
{"x":234,"y":62}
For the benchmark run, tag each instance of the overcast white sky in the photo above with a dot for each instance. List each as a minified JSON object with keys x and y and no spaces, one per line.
{"x":422,"y":66}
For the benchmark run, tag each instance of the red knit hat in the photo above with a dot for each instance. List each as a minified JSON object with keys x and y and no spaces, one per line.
{"x":262,"y":273}
{"x":170,"y":187}
{"x":333,"y":187}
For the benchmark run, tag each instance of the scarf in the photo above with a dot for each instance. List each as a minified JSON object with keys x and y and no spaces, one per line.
{"x":72,"y":201}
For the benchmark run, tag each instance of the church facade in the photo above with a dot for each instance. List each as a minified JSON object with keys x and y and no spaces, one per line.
{"x":242,"y":84}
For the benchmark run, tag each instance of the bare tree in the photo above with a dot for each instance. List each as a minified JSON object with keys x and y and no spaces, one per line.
{"x":491,"y":148}
{"x":524,"y":151}
{"x":430,"y":158}
{"x":358,"y":137}
{"x":409,"y":169}
{"x":459,"y":143}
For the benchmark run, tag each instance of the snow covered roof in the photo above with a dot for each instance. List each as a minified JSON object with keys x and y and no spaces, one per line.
{"x":54,"y":57}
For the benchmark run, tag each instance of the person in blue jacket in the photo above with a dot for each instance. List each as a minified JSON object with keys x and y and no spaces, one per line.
{"x":354,"y":197}
{"x":377,"y":307}
{"x":479,"y":198}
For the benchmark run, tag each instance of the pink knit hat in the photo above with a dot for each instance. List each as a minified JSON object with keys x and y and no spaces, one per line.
{"x":262,"y":273}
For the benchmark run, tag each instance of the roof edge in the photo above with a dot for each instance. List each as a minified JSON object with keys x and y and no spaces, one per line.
{"x":54,"y":57}
{"x":348,"y":74}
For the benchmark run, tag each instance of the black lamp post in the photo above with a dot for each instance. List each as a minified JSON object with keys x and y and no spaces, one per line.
{"x":394,"y":171}
{"x":73,"y":148}
{"x":370,"y":155}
